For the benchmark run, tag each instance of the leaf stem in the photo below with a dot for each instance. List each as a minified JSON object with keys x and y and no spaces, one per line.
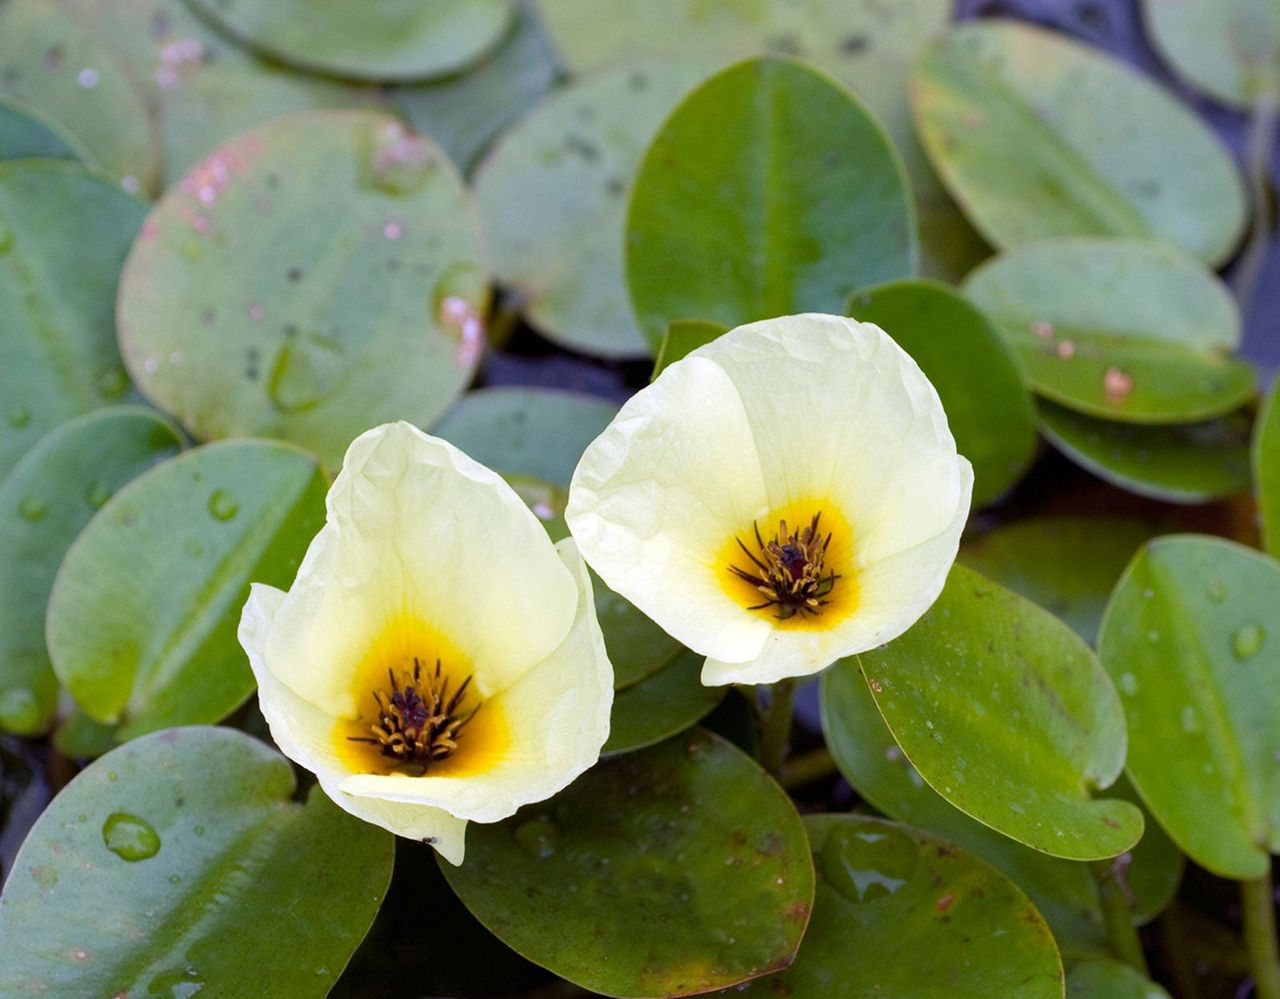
{"x":804,"y":768}
{"x":1117,"y":911}
{"x":1257,"y":163}
{"x":1259,"y":915}
{"x":775,"y":731}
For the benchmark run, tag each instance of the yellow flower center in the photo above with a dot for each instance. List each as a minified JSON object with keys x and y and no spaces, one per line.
{"x":418,"y":719}
{"x":801,"y":573}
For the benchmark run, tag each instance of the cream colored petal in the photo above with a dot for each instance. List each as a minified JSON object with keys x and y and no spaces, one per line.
{"x":417,"y":528}
{"x":655,"y":497}
{"x":558,"y":716}
{"x":434,"y":826}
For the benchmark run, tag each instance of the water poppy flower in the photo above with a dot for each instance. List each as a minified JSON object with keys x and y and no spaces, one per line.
{"x":784,"y":496}
{"x":437,"y":659}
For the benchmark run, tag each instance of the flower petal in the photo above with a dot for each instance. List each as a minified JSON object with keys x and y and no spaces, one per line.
{"x":434,"y":826}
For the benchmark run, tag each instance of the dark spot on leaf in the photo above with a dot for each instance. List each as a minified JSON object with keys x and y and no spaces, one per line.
{"x":853,"y":44}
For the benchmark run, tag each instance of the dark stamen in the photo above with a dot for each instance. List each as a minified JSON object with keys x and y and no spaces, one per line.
{"x":791,"y":575}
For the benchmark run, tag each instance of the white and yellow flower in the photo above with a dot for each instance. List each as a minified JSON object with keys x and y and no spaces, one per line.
{"x":437,"y":659}
{"x":784,"y":496}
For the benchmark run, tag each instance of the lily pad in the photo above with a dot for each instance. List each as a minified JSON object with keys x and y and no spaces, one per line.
{"x":899,"y":912}
{"x":1102,"y":978}
{"x":670,"y":871}
{"x":1008,"y":113}
{"x":64,"y":233}
{"x":1229,"y":49}
{"x":1186,"y":639}
{"x":147,"y":650}
{"x":1121,"y":329}
{"x":683,"y":337}
{"x":772,"y":191}
{"x":1178,"y":463}
{"x":552,"y":194}
{"x":179,"y":861}
{"x":322,"y":273}
{"x":661,"y":705}
{"x":26,"y":134}
{"x":1266,"y":472}
{"x":45,"y":501}
{"x":975,"y":373}
{"x":383,"y":40}
{"x":1008,"y":715}
{"x":1040,"y":558}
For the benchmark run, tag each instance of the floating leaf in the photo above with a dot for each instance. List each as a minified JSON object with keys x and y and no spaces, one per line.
{"x":179,"y":862}
{"x":45,"y":501}
{"x":901,"y":913}
{"x":661,"y":705}
{"x":1008,"y":715}
{"x":1186,"y":640}
{"x":26,"y":134}
{"x":669,"y":871}
{"x":1120,"y":329}
{"x":147,"y":650}
{"x":64,"y":233}
{"x":1266,"y":472}
{"x":1178,"y":463}
{"x":384,"y":40}
{"x":975,"y":373}
{"x":1009,"y":115}
{"x":322,"y":275}
{"x":1102,"y":978}
{"x":553,"y":198}
{"x":772,"y":191}
{"x":1230,"y":49}
{"x":1040,"y":558}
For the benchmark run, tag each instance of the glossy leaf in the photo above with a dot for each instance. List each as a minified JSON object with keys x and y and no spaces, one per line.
{"x":45,"y":501}
{"x":552,"y":195}
{"x":1187,"y":640}
{"x":25,"y":134}
{"x":669,"y":871}
{"x":975,"y":373}
{"x":1266,"y":472}
{"x":771,"y":191}
{"x":1179,"y":463}
{"x":64,"y":232}
{"x":1009,"y":115}
{"x":1229,"y":49}
{"x":1040,"y":558}
{"x":147,"y":650}
{"x":901,"y":913}
{"x":1120,"y":329}
{"x":383,"y":40}
{"x":291,"y":268}
{"x":682,"y":338}
{"x":1008,"y":715}
{"x":179,"y":862}
{"x":1103,"y":978}
{"x":661,"y":705}
{"x":1063,"y":890}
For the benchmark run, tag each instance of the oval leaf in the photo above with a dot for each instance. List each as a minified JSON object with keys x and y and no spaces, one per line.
{"x":771,"y":191}
{"x":179,"y":861}
{"x":659,"y":706}
{"x":147,"y":650}
{"x":290,"y":269}
{"x":1102,"y":978}
{"x":1230,"y":49}
{"x":666,"y":872}
{"x":1008,"y":715}
{"x":1009,"y":115}
{"x":1186,"y":640}
{"x":44,"y":503}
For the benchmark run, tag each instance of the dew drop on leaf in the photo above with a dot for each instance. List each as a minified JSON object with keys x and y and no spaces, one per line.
{"x":1246,"y":641}
{"x":129,"y":837}
{"x":863,"y":865}
{"x":222,"y":505}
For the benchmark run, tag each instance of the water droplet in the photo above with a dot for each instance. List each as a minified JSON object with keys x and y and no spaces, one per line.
{"x":19,"y":417}
{"x":96,"y":494}
{"x":864,"y":864}
{"x":1128,"y":683}
{"x":111,"y":382}
{"x":129,"y":837}
{"x":176,"y":984}
{"x":396,"y":160}
{"x":32,"y":509}
{"x":1247,"y":640}
{"x":223,"y":505}
{"x":538,"y":837}
{"x":113,"y":776}
{"x":193,"y":548}
{"x":175,"y":879}
{"x":1190,"y":720}
{"x":1217,"y":591}
{"x":307,"y":369}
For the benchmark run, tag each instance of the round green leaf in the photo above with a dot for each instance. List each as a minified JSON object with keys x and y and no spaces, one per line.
{"x":26,"y":134}
{"x":1040,"y":558}
{"x":179,"y":862}
{"x":1009,"y":114}
{"x":659,"y":706}
{"x":144,"y":650}
{"x":1186,"y":639}
{"x":1007,"y":713}
{"x":1177,"y":463}
{"x":901,"y":913}
{"x":1102,"y":978}
{"x":770,"y":190}
{"x":666,"y":872}
{"x":321,"y":273}
{"x":552,"y":195}
{"x":64,"y":233}
{"x":975,"y":373}
{"x":1230,"y":49}
{"x":45,"y":501}
{"x":374,"y":40}
{"x":1121,"y":329}
{"x":1063,"y":890}
{"x":53,"y":61}
{"x":1266,"y":472}
{"x":527,"y":431}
